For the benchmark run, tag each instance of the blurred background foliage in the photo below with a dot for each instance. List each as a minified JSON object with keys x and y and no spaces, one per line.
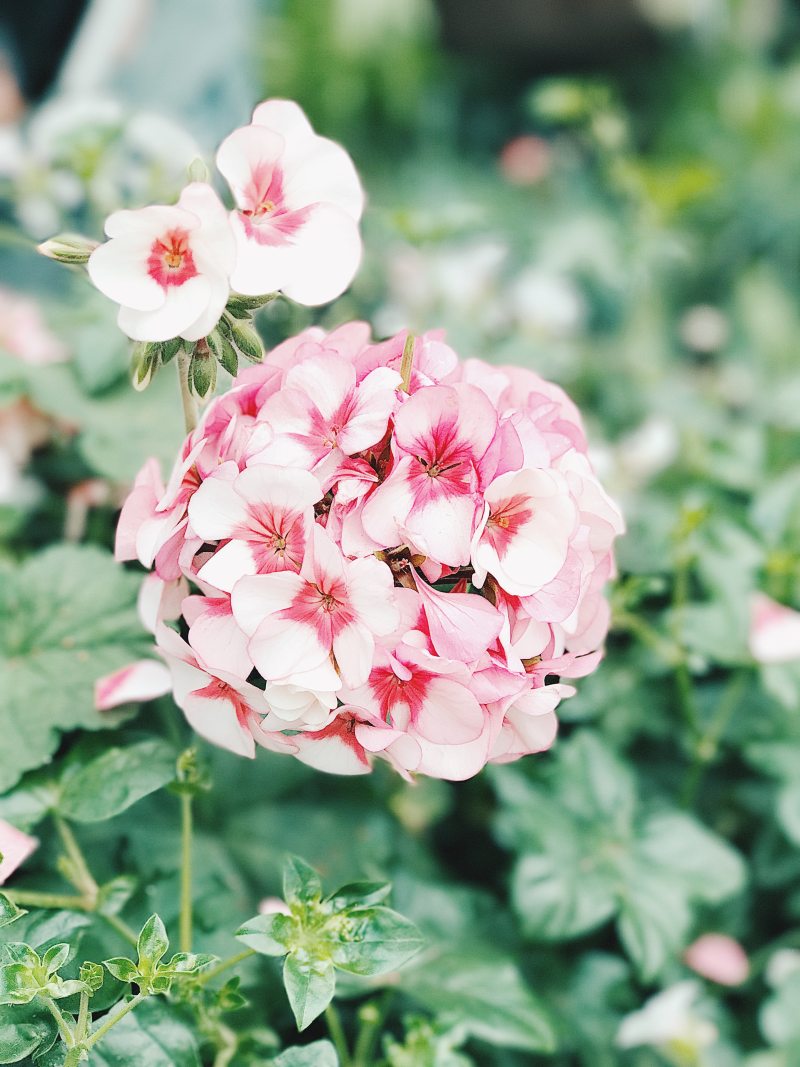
{"x":608,"y":193}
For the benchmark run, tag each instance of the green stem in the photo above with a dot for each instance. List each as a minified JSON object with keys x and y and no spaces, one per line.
{"x":225,"y":965}
{"x":371,"y":1017}
{"x":81,"y":875}
{"x":186,"y":873}
{"x":336,"y":1030}
{"x":187,"y":399}
{"x":683,"y":677}
{"x":34,"y":899}
{"x":64,"y":1028}
{"x":111,"y":1021}
{"x":707,"y":745}
{"x":82,"y":1024}
{"x":73,"y":1057}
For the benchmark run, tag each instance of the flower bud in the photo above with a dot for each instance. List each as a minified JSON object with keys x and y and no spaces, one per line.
{"x":69,"y":248}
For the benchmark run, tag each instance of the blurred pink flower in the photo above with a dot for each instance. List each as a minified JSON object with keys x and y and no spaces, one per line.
{"x":23,"y":332}
{"x":15,"y":847}
{"x":774,"y":631}
{"x":719,"y":958}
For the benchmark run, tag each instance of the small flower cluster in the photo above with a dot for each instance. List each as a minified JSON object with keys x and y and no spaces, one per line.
{"x":294,"y":228}
{"x":376,"y":550}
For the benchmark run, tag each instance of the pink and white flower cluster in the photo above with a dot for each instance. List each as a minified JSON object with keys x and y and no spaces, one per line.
{"x":294,"y":227}
{"x":358,"y":570}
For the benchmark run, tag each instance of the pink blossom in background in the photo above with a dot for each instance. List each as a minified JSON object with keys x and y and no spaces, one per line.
{"x":719,"y":958}
{"x":15,"y":848}
{"x":24,"y":333}
{"x":298,"y":203}
{"x":167,"y":267}
{"x":774,"y":631}
{"x":366,"y":573}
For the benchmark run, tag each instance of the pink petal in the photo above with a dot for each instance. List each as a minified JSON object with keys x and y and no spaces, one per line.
{"x":774,"y":631}
{"x":144,"y":680}
{"x":461,"y":625}
{"x":718,"y":958}
{"x":15,"y":848}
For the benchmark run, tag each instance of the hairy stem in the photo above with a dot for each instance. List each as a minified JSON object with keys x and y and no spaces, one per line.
{"x":112,"y":1020}
{"x":186,"y":873}
{"x":64,"y":1028}
{"x":34,"y":899}
{"x":336,"y":1030}
{"x":225,"y":965}
{"x":81,"y":875}
{"x":187,"y":399}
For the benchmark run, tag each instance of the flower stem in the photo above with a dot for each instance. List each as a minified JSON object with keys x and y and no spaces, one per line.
{"x":186,"y":873}
{"x":371,"y":1017}
{"x":81,"y":876}
{"x":58,"y":901}
{"x":707,"y":746}
{"x":121,"y":927}
{"x":225,"y":965}
{"x":336,"y":1030}
{"x":187,"y":399}
{"x":107,"y":1024}
{"x":83,"y":1018}
{"x":63,"y":1026}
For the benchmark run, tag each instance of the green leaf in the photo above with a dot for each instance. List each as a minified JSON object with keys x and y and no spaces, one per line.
{"x":360,"y":894}
{"x":709,"y":868}
{"x":19,"y":952}
{"x":46,"y":928}
{"x":228,"y":357}
{"x":68,"y":618}
{"x":170,"y":349}
{"x":309,"y":986}
{"x":92,"y":976}
{"x":301,"y":883}
{"x":653,"y":921}
{"x":372,"y":941}
{"x":317,"y":1054}
{"x":187,"y":963}
{"x":486,"y":995}
{"x":55,"y":958}
{"x":156,"y":1034}
{"x":269,"y":935}
{"x":122,"y":968}
{"x":25,"y":1030}
{"x":30,"y":801}
{"x":9,"y":912}
{"x":113,"y":781}
{"x":152,"y":944}
{"x":249,"y":304}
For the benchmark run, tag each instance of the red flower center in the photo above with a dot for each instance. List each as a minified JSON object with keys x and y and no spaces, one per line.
{"x":170,"y":261}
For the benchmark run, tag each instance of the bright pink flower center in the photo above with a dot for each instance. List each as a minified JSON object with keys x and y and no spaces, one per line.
{"x":445,"y":463}
{"x":170,"y":261}
{"x":389,"y":691}
{"x":276,"y":538}
{"x":219,"y":690}
{"x":324,"y":606}
{"x":505,"y":520}
{"x":264,"y":214}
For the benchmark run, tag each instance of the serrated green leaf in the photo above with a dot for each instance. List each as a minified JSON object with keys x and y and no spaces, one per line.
{"x":69,"y":618}
{"x":25,"y":1030}
{"x":117,"y":778}
{"x":269,"y":935}
{"x":152,"y":944}
{"x":309,"y":985}
{"x":123,"y":969}
{"x":371,"y":941}
{"x":301,"y":883}
{"x":317,"y":1054}
{"x":157,"y":1034}
{"x":484,"y":994}
{"x":9,"y":912}
{"x":92,"y":976}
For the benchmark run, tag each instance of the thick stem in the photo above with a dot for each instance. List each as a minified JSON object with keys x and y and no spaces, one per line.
{"x":58,"y":901}
{"x":225,"y":965}
{"x":82,"y":1025}
{"x":64,"y":1028}
{"x":186,"y":873}
{"x":108,"y":1023}
{"x":336,"y":1031}
{"x":81,"y":875}
{"x":187,"y":399}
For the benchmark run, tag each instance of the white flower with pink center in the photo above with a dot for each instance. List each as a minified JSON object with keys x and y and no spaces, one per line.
{"x":167,"y":267}
{"x":524,"y":538}
{"x":298,"y":203}
{"x":264,"y":515}
{"x":431,"y":499}
{"x":323,"y":620}
{"x":321,"y":415}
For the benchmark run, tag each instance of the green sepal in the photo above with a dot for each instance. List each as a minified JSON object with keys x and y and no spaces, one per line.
{"x":203,"y":374}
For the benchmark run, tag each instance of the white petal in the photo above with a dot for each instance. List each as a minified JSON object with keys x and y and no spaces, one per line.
{"x":118,"y":269}
{"x":183,"y":305}
{"x":256,"y":597}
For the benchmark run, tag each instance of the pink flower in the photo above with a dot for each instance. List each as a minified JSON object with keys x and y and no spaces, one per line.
{"x":324,"y":619}
{"x":15,"y":847}
{"x":264,"y":514}
{"x":774,"y":631}
{"x":298,"y":202}
{"x":23,"y":332}
{"x":143,"y":680}
{"x":524,"y":538}
{"x":167,"y":267}
{"x":431,"y":499}
{"x":718,"y":958}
